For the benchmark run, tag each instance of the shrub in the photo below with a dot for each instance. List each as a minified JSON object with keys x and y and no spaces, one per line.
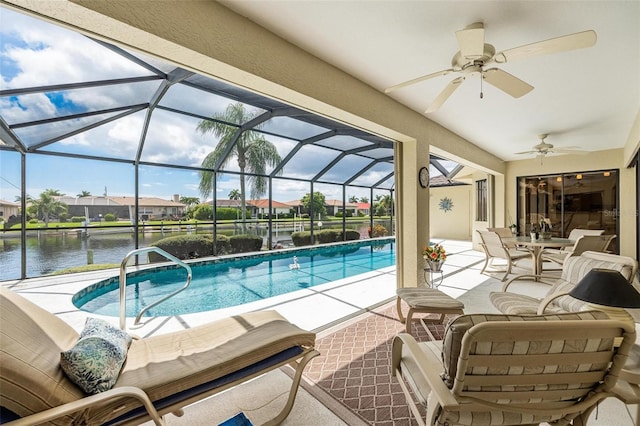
{"x":245,"y":243}
{"x":189,"y":246}
{"x":110,"y":217}
{"x":63,"y":217}
{"x":301,"y":238}
{"x":34,"y":220}
{"x":78,"y":219}
{"x":227,"y":213}
{"x":327,"y":236}
{"x":223,"y":244}
{"x":352,"y":235}
{"x":378,"y":231}
{"x":203,"y":212}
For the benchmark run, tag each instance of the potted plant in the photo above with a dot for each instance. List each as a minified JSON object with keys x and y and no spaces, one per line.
{"x":434,"y":255}
{"x":514,"y":228}
{"x":545,"y":229}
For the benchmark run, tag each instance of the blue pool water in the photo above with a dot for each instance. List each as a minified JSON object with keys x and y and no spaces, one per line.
{"x":229,"y":282}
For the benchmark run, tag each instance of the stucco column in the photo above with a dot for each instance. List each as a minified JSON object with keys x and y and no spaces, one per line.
{"x":413,"y":222}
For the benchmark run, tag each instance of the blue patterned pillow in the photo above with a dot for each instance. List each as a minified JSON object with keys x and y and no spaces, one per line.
{"x":95,"y":361}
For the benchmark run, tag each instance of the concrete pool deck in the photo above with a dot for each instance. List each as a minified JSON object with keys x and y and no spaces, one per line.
{"x":311,"y":308}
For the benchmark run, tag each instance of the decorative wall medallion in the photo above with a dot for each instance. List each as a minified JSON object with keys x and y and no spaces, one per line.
{"x":446,"y":204}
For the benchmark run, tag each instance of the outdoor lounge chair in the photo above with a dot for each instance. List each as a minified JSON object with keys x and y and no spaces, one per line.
{"x":161,"y":374}
{"x":512,"y":370}
{"x":557,"y":298}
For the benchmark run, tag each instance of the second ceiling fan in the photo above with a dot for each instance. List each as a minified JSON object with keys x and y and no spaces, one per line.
{"x":543,"y":149}
{"x":475,"y":54}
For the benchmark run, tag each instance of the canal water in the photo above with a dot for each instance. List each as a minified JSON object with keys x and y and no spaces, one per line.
{"x":47,"y":252}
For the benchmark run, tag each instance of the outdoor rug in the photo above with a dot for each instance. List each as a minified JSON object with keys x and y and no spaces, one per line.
{"x":354,"y":366}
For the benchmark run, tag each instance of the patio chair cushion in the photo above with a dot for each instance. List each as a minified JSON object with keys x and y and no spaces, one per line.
{"x":96,"y":359}
{"x":574,"y":269}
{"x":451,"y":343}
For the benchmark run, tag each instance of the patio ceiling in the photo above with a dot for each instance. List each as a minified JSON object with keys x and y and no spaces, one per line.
{"x":136,"y":107}
{"x":585,"y":99}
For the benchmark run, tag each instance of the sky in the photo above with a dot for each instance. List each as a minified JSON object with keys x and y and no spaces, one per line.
{"x":35,"y":53}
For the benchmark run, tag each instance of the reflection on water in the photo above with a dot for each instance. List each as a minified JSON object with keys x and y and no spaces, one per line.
{"x":47,"y":252}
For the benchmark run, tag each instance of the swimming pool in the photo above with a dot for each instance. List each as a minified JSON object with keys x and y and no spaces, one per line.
{"x":232,"y":281}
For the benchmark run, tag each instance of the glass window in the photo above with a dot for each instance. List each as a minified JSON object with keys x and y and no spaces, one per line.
{"x":481,"y":200}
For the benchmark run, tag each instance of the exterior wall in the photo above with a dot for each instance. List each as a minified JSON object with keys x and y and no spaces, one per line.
{"x":454,"y":224}
{"x":8,"y":209}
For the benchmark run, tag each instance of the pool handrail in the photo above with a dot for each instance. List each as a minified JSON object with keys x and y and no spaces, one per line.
{"x":123,"y":283}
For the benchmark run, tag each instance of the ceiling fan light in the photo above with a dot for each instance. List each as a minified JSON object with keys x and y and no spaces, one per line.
{"x":578,"y":176}
{"x":607,"y":174}
{"x":559,"y":179}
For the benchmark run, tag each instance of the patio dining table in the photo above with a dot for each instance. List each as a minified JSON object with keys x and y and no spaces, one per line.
{"x":536,"y":246}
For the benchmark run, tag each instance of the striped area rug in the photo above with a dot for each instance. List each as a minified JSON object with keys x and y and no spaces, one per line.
{"x":354,"y":366}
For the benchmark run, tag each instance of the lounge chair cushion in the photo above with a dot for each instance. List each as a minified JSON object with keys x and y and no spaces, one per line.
{"x":167,"y":364}
{"x":31,"y":340}
{"x":460,"y":325}
{"x":95,"y":361}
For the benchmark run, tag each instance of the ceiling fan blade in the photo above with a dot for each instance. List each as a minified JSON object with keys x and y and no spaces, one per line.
{"x":554,"y":45}
{"x":506,"y":82}
{"x":528,"y":152}
{"x":444,"y":95}
{"x":417,"y":80}
{"x":471,"y":41}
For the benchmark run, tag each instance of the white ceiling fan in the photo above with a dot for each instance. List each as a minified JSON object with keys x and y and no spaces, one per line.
{"x":475,"y":54}
{"x":544,"y":148}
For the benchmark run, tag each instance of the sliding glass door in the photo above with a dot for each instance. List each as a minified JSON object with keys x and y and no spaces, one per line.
{"x":585,"y":200}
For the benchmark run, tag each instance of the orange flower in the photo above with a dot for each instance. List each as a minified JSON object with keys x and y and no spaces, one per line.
{"x":434,"y":253}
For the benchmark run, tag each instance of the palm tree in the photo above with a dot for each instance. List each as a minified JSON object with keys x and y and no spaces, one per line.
{"x":47,"y":205}
{"x":353,"y":199}
{"x":84,"y":193}
{"x":252,"y":151}
{"x":234,"y":194}
{"x":189,"y":201}
{"x":383,"y":205}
